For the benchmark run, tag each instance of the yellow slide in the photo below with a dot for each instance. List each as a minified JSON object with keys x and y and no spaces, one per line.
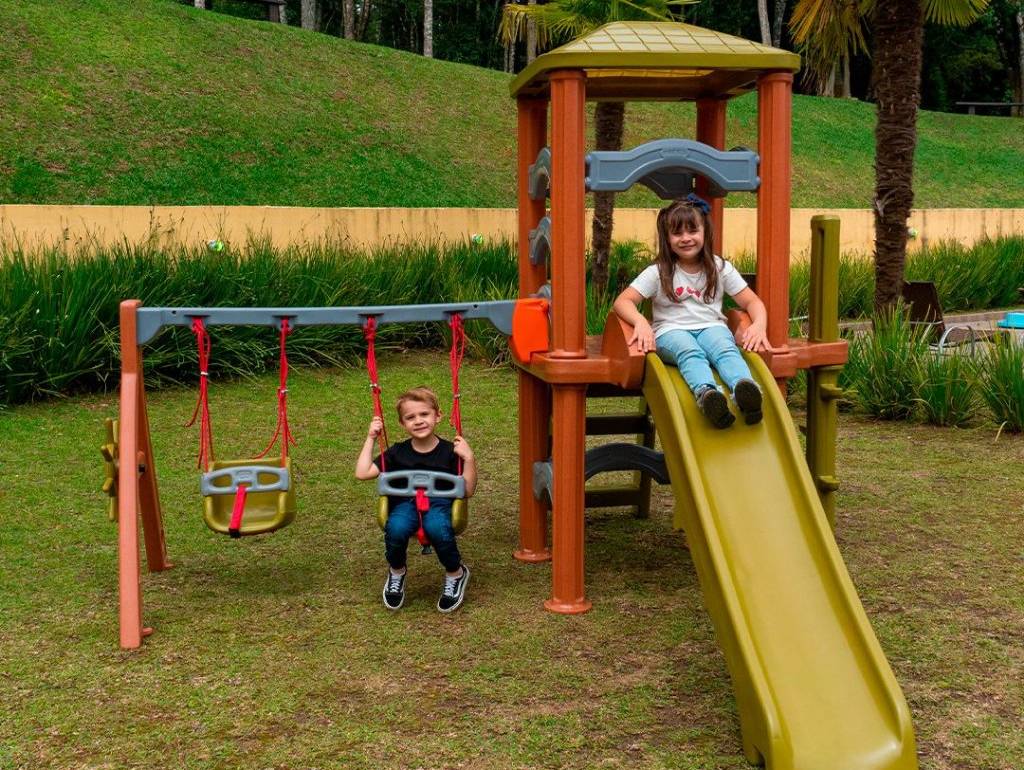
{"x":813,"y":687}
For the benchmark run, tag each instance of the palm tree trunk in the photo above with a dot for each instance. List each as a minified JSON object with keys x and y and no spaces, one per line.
{"x":428,"y":28}
{"x":608,"y":120}
{"x":844,"y":88}
{"x":780,"y":13}
{"x":899,"y":32}
{"x":531,"y":37}
{"x":308,"y":14}
{"x":349,"y":20}
{"x":762,"y":17}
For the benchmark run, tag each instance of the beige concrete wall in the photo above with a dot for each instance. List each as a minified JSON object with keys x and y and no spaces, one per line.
{"x":76,"y":226}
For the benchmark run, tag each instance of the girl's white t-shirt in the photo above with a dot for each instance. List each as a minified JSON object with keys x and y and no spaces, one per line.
{"x":692,"y":312}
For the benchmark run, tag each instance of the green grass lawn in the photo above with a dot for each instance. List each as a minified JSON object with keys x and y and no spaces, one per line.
{"x":155,"y":102}
{"x":275,"y":652}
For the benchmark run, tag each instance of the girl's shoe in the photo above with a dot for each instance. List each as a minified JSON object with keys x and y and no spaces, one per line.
{"x":748,"y":399}
{"x":715,"y":407}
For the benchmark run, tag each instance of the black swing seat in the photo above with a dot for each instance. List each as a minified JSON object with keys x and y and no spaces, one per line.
{"x":434,"y":483}
{"x":270,"y":496}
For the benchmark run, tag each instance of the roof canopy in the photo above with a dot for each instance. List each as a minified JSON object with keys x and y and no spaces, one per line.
{"x":658,"y":60}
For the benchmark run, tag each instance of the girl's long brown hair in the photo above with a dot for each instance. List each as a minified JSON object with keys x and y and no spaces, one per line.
{"x":674,"y":218}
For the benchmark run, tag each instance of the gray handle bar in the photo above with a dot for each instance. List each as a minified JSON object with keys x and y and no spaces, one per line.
{"x":405,"y":484}
{"x":244,"y":475}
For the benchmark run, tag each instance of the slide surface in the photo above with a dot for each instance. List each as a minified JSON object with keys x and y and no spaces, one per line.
{"x":813,"y":688}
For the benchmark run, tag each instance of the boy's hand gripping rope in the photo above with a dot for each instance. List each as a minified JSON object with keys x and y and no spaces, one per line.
{"x":455,"y":356}
{"x":202,"y":409}
{"x":370,"y":333}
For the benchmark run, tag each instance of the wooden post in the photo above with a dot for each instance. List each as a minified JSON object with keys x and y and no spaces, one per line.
{"x":774,"y":108}
{"x":137,"y":489}
{"x":711,"y":131}
{"x":568,"y":119}
{"x":534,"y":394}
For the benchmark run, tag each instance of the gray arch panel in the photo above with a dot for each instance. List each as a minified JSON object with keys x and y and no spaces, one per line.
{"x":664,"y":164}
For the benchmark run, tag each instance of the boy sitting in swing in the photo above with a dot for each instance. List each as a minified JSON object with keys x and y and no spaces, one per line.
{"x":419,"y":414}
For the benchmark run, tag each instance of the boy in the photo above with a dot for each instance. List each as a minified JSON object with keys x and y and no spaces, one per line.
{"x":420,"y":414}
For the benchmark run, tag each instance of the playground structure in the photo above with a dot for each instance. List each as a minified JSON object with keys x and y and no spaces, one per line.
{"x":813,"y":687}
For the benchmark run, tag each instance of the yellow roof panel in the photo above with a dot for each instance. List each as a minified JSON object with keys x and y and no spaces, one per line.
{"x":722,"y":65}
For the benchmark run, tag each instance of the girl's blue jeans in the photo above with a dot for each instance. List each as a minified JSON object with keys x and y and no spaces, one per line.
{"x":403,"y":522}
{"x":695,"y":351}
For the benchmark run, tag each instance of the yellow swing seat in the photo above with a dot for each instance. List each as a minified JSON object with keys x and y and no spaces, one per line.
{"x":402,"y":483}
{"x":265,"y":511}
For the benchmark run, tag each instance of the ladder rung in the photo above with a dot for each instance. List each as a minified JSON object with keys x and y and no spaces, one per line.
{"x":617,"y":424}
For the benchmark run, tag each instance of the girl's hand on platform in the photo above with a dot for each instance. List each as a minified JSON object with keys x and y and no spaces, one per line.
{"x":755,"y":338}
{"x":643,"y":337}
{"x":376,"y":427}
{"x":462,"y":449}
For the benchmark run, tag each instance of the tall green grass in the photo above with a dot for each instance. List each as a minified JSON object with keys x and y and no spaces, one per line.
{"x":1001,"y":380}
{"x":59,"y":310}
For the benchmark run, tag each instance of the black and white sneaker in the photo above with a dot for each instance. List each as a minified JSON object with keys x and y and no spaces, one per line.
{"x":715,"y":407}
{"x":748,"y":398}
{"x":394,"y":590}
{"x":454,"y":591}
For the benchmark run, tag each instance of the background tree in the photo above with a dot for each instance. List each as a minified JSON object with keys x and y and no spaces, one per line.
{"x":828,"y":33}
{"x":898,"y":29}
{"x":562,"y":20}
{"x":308,"y":14}
{"x":428,"y":28}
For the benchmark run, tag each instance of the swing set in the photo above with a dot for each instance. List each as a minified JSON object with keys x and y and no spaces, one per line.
{"x":253,"y":496}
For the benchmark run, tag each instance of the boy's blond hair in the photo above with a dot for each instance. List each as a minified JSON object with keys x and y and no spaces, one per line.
{"x":422,"y":394}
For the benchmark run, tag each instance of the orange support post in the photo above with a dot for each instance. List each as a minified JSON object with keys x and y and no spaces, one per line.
{"x":136,"y":486}
{"x":567,"y":524}
{"x":711,"y":131}
{"x":774,"y":113}
{"x":568,"y":269}
{"x":568,"y":284}
{"x":534,"y":394}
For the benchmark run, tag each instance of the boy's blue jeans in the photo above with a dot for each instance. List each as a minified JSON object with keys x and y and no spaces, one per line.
{"x":695,"y":351}
{"x":403,"y":522}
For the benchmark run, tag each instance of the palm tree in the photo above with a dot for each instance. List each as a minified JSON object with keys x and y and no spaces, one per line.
{"x":898,"y":27}
{"x":561,"y":20}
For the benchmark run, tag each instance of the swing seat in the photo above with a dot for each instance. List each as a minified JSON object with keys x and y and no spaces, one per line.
{"x":443,"y":485}
{"x":265,"y":511}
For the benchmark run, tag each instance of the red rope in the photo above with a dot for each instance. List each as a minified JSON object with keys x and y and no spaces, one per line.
{"x":282,"y":429}
{"x":202,"y":409}
{"x":455,"y":356}
{"x":370,"y":333}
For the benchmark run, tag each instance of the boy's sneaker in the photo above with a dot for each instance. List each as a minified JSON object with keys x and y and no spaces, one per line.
{"x":715,"y":407}
{"x":454,"y":591}
{"x":748,"y":399}
{"x":394,"y":590}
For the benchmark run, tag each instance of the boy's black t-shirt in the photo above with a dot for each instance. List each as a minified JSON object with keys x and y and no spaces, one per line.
{"x":402,"y":457}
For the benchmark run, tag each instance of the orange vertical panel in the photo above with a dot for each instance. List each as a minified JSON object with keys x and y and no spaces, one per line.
{"x":774,"y":108}
{"x":568,"y":268}
{"x":711,"y":131}
{"x":534,"y":394}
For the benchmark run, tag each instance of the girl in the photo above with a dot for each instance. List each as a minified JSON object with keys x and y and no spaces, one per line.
{"x":687,"y":283}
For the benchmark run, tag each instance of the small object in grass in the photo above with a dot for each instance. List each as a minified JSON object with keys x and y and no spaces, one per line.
{"x":911,"y":232}
{"x":215,"y":245}
{"x":476,"y":238}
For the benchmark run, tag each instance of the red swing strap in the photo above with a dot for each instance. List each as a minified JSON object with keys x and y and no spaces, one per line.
{"x":370,"y":333}
{"x":202,"y":410}
{"x":455,"y":356}
{"x":282,"y":429}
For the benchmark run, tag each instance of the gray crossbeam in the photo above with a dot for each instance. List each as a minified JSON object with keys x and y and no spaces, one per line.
{"x":151,"y":319}
{"x":604,"y":458}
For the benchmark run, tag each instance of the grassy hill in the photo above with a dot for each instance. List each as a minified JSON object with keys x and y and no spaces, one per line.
{"x":155,"y":102}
